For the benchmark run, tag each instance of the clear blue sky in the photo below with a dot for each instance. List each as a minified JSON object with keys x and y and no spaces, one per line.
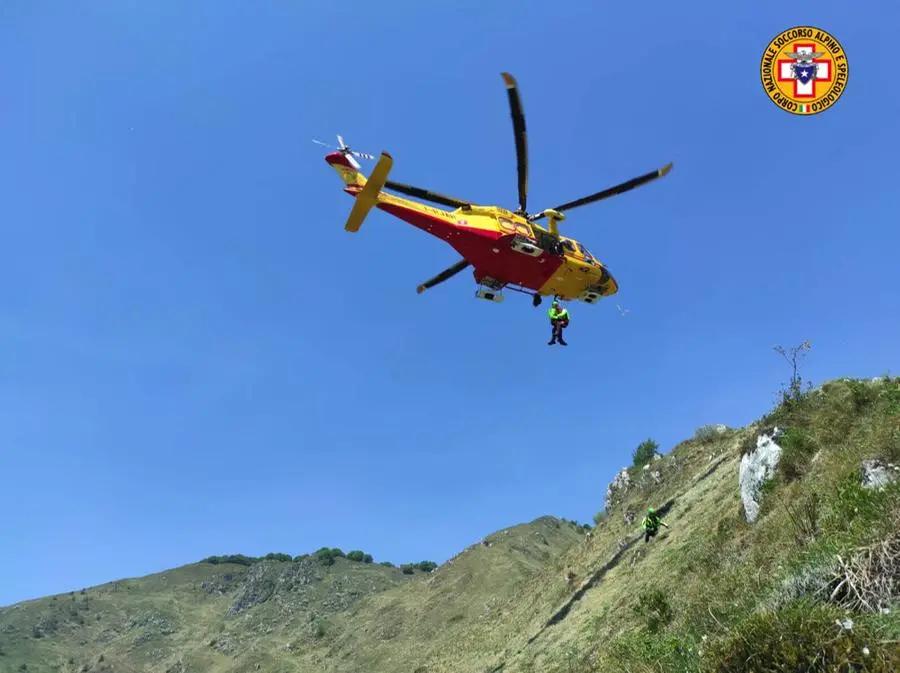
{"x":197,"y":359}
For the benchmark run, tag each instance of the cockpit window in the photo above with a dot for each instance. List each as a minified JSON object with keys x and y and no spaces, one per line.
{"x":587,"y":255}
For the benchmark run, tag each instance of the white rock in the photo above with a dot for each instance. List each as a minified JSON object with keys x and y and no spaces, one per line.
{"x":619,"y":484}
{"x":877,"y":474}
{"x":757,"y":467}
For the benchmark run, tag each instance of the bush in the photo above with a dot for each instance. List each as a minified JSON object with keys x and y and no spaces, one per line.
{"x":581,"y":528}
{"x":654,"y":608}
{"x":278,"y":557}
{"x":863,"y":394}
{"x":356,"y":555}
{"x":368,"y":558}
{"x":860,"y":515}
{"x":890,"y":397}
{"x":644,"y":453}
{"x":238,"y":559}
{"x":426,"y":566}
{"x":800,"y":637}
{"x":797,"y":449}
{"x":327,"y":555}
{"x":408,"y":568}
{"x":386,"y":564}
{"x":707,"y":432}
{"x":600,"y":517}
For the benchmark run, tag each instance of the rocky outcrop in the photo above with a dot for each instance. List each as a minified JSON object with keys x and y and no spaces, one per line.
{"x":617,"y":488}
{"x":757,"y":467}
{"x":878,"y":474}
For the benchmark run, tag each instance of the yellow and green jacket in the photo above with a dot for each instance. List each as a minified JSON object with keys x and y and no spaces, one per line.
{"x":651,"y":522}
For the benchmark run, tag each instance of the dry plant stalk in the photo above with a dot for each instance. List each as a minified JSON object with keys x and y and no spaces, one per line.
{"x":869,"y":578}
{"x":805,"y":521}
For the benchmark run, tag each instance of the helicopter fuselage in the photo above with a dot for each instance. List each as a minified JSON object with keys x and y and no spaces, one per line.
{"x":503,"y":247}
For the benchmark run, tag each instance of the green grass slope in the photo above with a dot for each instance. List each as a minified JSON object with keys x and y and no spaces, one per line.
{"x":310,"y":613}
{"x":811,"y":585}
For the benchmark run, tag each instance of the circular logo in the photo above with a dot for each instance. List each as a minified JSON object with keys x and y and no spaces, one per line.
{"x":804,"y":70}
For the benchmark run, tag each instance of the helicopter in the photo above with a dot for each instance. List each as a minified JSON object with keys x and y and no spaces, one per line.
{"x":506,"y":249}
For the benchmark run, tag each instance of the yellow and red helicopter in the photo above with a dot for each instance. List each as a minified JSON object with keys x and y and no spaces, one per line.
{"x":506,"y":249}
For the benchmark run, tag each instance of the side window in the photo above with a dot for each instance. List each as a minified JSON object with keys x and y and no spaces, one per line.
{"x":568,"y":246}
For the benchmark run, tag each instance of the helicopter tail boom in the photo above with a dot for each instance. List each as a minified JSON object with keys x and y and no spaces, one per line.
{"x":349,"y":173}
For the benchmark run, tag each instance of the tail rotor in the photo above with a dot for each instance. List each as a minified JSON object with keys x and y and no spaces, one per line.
{"x":345,"y":149}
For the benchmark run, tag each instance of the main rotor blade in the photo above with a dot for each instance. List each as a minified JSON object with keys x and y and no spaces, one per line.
{"x":443,"y":275}
{"x":612,"y":191}
{"x":426,"y":195}
{"x":518,"y":119}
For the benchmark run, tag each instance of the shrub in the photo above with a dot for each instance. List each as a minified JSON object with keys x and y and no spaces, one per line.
{"x":863,"y":394}
{"x":408,"y":568}
{"x":238,"y":559}
{"x":356,"y":555}
{"x":274,"y":556}
{"x":797,"y":449}
{"x":327,"y":555}
{"x":654,"y":608}
{"x":800,"y":637}
{"x":707,"y":432}
{"x":368,"y":558}
{"x":890,"y":397}
{"x":600,"y":517}
{"x":426,"y":566}
{"x":886,"y":438}
{"x":386,"y":564}
{"x":644,"y":453}
{"x":581,"y":528}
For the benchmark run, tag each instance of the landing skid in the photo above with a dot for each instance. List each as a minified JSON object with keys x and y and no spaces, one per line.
{"x":536,"y":299}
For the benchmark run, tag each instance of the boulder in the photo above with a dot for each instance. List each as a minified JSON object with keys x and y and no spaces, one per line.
{"x":757,"y":467}
{"x":878,"y":474}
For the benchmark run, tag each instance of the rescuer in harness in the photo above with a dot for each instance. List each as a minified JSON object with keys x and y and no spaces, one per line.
{"x":651,"y":523}
{"x":559,"y":320}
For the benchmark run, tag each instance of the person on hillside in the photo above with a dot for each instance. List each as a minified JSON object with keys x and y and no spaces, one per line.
{"x":651,"y":523}
{"x":559,"y":320}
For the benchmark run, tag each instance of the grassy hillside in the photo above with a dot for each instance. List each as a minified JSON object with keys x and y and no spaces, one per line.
{"x":812,"y":584}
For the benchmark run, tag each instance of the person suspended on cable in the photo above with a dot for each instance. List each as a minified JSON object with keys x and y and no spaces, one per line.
{"x":559,"y":320}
